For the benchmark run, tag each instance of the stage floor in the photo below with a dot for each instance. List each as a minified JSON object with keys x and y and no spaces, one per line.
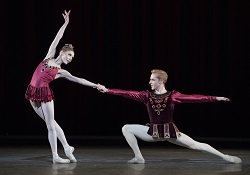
{"x":112,"y":160}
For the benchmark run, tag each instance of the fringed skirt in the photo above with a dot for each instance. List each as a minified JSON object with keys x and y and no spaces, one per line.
{"x":167,"y":130}
{"x":41,"y":94}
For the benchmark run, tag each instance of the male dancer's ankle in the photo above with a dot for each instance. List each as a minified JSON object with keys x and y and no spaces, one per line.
{"x":136,"y":160}
{"x":232,"y":159}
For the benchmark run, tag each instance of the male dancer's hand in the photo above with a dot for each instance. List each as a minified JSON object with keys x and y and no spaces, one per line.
{"x":222,"y":99}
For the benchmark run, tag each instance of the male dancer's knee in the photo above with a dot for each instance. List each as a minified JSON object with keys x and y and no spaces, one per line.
{"x":125,"y":129}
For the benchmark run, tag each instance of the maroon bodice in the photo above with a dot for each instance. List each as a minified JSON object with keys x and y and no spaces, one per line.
{"x":43,"y":74}
{"x":38,"y":90}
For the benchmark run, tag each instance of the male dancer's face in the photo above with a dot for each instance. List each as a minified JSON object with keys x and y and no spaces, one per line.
{"x":154,"y":82}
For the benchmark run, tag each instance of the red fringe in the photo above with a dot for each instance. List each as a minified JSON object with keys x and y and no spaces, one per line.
{"x":42,"y":94}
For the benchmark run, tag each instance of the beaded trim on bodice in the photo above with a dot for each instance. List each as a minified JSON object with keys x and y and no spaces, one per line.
{"x":158,"y":101}
{"x":45,"y":64}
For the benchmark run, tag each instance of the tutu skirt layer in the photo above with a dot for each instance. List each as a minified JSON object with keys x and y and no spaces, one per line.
{"x":39,"y":94}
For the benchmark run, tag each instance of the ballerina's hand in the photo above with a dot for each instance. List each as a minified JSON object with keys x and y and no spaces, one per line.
{"x":101,"y":88}
{"x":66,"y":16}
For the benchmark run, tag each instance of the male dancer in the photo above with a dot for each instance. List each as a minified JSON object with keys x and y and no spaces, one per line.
{"x":160,"y":105}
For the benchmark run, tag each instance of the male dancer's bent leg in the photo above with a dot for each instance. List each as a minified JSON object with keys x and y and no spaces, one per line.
{"x":130,"y":132}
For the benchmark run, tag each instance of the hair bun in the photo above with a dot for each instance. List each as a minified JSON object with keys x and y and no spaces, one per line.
{"x":70,"y":46}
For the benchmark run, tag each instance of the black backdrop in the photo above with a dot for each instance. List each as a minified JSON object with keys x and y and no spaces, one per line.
{"x":202,"y":45}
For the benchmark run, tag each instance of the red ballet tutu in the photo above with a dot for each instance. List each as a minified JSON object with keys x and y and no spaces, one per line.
{"x":39,"y":94}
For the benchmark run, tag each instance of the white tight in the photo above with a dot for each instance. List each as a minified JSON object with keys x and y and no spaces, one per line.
{"x":46,"y":112}
{"x":133,"y":131}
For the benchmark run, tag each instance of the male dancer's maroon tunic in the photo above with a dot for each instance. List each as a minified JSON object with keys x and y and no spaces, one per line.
{"x":38,"y":90}
{"x":161,"y":108}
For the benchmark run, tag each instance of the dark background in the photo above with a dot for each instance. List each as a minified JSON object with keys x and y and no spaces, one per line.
{"x":202,"y":45}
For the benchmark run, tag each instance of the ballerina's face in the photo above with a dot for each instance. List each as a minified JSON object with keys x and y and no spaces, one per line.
{"x":68,"y":56}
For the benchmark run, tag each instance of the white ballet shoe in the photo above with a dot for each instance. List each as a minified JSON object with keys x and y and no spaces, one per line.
{"x":69,"y":153}
{"x":136,"y":161}
{"x":57,"y":159}
{"x":233,"y":159}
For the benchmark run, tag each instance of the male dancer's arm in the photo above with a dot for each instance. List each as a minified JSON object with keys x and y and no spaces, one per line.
{"x":177,"y":97}
{"x":141,"y":96}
